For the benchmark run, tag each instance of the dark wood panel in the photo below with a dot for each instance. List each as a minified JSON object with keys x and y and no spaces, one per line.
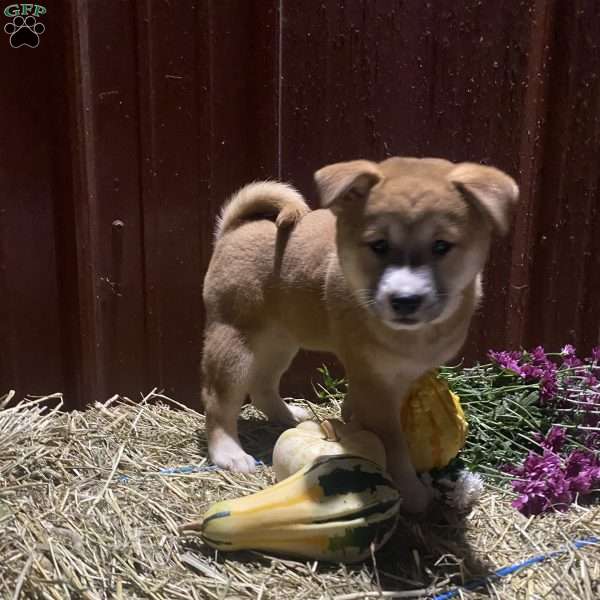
{"x":375,"y":79}
{"x":531,"y":155}
{"x":106,"y":202}
{"x":31,"y":359}
{"x":208,"y":122}
{"x":173,"y":96}
{"x":566,"y":258}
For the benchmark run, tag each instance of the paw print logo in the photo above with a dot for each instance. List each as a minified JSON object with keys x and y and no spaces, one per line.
{"x":24,"y":31}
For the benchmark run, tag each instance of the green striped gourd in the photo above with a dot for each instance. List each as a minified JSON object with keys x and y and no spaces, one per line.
{"x":333,"y":509}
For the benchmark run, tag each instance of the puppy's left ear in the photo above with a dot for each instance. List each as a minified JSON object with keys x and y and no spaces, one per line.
{"x":493,"y":192}
{"x":345,"y":182}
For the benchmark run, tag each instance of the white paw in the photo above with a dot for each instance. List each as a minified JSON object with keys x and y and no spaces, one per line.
{"x":244,"y":463}
{"x":290,"y":415}
{"x":284,"y":413}
{"x":228,"y":455}
{"x":298,"y":413}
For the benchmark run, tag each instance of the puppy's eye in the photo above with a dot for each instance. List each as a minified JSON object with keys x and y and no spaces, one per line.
{"x":441,"y":247}
{"x":380,"y":247}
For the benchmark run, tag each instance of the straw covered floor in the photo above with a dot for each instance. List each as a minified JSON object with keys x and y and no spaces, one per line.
{"x":91,"y":502}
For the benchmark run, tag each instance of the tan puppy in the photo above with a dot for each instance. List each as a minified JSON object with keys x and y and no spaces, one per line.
{"x":386,"y":276}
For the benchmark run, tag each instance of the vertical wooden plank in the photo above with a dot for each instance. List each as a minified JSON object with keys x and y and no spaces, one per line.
{"x":106,"y":201}
{"x":174,"y":65}
{"x":84,"y":214}
{"x":531,"y":156}
{"x":565,"y":279}
{"x":31,"y":360}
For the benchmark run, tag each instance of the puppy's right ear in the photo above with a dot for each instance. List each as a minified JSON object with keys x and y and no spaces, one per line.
{"x":346,"y":181}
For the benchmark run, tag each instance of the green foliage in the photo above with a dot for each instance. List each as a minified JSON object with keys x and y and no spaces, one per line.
{"x":330,"y":388}
{"x":502,"y":412}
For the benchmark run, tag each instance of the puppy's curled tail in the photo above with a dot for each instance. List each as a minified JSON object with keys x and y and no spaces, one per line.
{"x":262,"y":199}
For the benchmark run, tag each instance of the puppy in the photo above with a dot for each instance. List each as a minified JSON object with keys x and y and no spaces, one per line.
{"x":386,"y":275}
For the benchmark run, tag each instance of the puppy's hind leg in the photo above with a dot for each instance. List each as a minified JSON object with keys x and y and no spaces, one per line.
{"x":226,"y":363}
{"x":273,"y":354}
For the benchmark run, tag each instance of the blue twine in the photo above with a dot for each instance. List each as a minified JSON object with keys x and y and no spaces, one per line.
{"x":198,"y":469}
{"x":509,"y":570}
{"x":186,"y":470}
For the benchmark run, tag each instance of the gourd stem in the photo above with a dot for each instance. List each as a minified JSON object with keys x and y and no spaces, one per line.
{"x":191,"y":526}
{"x":329,"y":431}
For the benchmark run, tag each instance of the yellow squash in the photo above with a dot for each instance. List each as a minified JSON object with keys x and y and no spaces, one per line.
{"x":433,"y":422}
{"x":336,"y":509}
{"x":307,"y":441}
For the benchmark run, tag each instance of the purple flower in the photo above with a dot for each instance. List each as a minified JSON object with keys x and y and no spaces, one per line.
{"x":530,"y":504}
{"x":555,"y":439}
{"x":535,"y":366}
{"x":546,"y":374}
{"x":507,"y":360}
{"x":570,"y":358}
{"x":533,"y":499}
{"x":548,"y":483}
{"x":539,"y":355}
{"x":530,"y":371}
{"x":548,"y":386}
{"x":542,"y":486}
{"x":542,"y":369}
{"x":583,"y":470}
{"x":553,"y":479}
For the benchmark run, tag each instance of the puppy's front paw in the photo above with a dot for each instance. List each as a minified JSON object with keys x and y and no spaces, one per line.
{"x":298,"y":413}
{"x":416,"y":497}
{"x":290,"y":414}
{"x":230,"y":456}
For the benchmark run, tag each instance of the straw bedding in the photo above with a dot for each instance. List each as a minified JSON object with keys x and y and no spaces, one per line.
{"x":90,"y":503}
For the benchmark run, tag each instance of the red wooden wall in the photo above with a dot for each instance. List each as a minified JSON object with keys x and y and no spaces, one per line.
{"x":124,"y":130}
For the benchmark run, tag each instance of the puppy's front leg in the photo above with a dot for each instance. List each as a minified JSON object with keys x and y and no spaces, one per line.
{"x":377,"y":409}
{"x":416,"y":495}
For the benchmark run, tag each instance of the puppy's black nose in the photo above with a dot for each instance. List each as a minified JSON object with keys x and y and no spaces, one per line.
{"x":406,"y":305}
